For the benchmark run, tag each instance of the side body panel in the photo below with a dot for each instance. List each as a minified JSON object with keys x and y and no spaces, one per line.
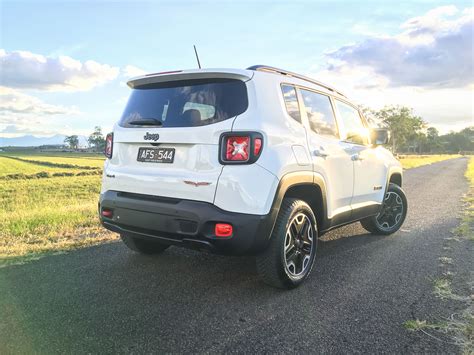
{"x":252,"y":188}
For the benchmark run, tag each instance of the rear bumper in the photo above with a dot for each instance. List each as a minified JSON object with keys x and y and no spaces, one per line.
{"x":184,"y":223}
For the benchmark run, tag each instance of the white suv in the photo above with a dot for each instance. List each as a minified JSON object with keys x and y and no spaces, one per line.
{"x":258,"y":161}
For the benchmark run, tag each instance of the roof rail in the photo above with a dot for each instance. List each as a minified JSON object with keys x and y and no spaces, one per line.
{"x":294,"y":75}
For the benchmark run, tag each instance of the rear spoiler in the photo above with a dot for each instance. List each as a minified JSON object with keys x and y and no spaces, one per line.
{"x":190,"y":74}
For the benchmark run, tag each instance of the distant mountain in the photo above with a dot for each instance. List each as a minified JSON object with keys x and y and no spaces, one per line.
{"x":32,"y":141}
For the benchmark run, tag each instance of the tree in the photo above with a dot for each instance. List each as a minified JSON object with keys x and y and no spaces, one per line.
{"x":462,"y":141}
{"x":72,"y":141}
{"x":432,"y":133}
{"x":433,"y":142}
{"x":403,"y":124}
{"x":97,"y":140}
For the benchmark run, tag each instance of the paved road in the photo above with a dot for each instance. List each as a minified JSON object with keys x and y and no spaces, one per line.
{"x":107,"y":299}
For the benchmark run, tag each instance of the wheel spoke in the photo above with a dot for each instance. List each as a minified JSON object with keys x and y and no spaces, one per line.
{"x":304,"y":230}
{"x":291,"y":256}
{"x":306,"y":249}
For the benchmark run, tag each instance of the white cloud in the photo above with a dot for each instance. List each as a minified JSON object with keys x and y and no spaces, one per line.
{"x":432,"y":51}
{"x":22,"y":113}
{"x":26,"y":70}
{"x":14,"y":102}
{"x":427,"y":66}
{"x":131,"y":71}
{"x":15,"y":131}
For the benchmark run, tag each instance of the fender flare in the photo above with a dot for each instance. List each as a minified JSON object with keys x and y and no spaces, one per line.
{"x":394,"y":170}
{"x":291,"y":180}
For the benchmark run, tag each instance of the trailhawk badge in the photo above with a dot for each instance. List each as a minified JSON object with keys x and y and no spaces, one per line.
{"x":151,"y":137}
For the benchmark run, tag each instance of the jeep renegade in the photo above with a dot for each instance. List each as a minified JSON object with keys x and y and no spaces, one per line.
{"x":259,"y":161}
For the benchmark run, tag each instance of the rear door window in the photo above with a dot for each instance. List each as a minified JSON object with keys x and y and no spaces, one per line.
{"x":186,"y":103}
{"x":291,"y":101}
{"x":320,"y":113}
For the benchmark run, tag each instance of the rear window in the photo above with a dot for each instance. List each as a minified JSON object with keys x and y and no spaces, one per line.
{"x":187,"y":103}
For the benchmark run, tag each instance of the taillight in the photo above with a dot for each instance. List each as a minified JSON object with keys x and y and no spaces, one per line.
{"x":257,"y":146}
{"x":237,"y":148}
{"x":109,"y":143}
{"x":240,"y":147}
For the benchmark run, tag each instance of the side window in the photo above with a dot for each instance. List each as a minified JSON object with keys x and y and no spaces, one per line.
{"x":355,"y":129}
{"x":320,"y":114}
{"x":291,"y":101}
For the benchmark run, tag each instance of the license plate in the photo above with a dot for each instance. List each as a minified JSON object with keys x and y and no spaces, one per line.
{"x":156,"y":155}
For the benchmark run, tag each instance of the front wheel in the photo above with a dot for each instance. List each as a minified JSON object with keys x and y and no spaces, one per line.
{"x":391,"y":216}
{"x":291,"y":252}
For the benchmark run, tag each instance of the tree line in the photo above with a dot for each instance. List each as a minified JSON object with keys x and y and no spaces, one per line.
{"x":410,"y":133}
{"x":96,"y":140}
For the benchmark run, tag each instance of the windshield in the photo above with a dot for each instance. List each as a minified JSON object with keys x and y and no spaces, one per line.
{"x":185,"y":103}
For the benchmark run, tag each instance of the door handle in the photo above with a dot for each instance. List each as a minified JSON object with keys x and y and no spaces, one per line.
{"x":320,"y":153}
{"x":357,"y":157}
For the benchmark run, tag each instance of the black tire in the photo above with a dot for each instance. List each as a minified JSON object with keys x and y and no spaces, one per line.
{"x":278,"y":265}
{"x":143,"y":246}
{"x":393,"y":213}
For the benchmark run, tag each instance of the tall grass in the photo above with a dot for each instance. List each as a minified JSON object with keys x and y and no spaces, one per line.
{"x":52,"y":214}
{"x":86,"y":162}
{"x":413,"y":161}
{"x":10,"y":166}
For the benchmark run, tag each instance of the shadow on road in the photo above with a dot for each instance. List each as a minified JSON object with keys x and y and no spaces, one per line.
{"x":107,"y":297}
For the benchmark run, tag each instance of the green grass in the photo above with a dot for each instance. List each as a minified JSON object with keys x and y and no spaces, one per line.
{"x":10,"y":166}
{"x":52,"y":214}
{"x":417,"y":324}
{"x":35,"y":152}
{"x":466,"y":228}
{"x":95,"y":162}
{"x":413,"y":161}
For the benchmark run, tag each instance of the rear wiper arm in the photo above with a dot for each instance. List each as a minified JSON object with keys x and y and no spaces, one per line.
{"x":146,"y":122}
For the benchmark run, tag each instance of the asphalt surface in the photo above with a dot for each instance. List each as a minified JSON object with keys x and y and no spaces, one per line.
{"x":107,"y":299}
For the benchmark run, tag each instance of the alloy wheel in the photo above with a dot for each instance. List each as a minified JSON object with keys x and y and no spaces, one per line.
{"x":392,"y":211}
{"x":299,"y":245}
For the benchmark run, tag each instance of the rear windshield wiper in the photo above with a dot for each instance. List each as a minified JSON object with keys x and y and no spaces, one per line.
{"x":146,"y":122}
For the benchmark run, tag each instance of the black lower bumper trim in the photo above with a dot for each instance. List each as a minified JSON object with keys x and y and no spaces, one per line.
{"x":185,"y":223}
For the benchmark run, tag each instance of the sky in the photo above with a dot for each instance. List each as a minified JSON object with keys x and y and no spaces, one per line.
{"x":64,"y":64}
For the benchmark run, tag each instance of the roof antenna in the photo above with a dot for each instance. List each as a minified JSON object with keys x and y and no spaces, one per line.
{"x":197,"y":57}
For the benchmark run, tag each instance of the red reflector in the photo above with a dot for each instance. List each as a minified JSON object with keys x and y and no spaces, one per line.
{"x":107,"y":213}
{"x":223,"y":230}
{"x":237,"y":148}
{"x":257,"y":145}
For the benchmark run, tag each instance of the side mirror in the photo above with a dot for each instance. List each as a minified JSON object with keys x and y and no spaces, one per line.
{"x":379,"y":136}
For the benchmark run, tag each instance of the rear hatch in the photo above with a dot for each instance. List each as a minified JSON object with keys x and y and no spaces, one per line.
{"x":167,"y":141}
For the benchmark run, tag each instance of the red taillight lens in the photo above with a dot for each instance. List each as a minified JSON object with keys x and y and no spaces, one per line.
{"x":237,"y":148}
{"x":109,"y":143}
{"x":257,"y":146}
{"x":223,"y":230}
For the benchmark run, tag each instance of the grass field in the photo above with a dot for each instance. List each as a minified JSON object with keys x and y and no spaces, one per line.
{"x":43,"y":211}
{"x":413,"y":161}
{"x":12,"y":167}
{"x":80,"y":161}
{"x":49,"y":214}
